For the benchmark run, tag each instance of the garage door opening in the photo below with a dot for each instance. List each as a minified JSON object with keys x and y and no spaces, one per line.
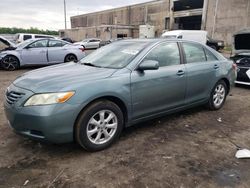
{"x":188,"y":23}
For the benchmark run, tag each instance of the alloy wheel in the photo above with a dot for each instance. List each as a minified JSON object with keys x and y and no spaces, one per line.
{"x":70,"y":58}
{"x":10,"y":63}
{"x":102,"y":127}
{"x":219,"y":95}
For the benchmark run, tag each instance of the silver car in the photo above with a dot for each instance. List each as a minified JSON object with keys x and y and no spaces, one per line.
{"x":91,"y":43}
{"x":40,"y":52}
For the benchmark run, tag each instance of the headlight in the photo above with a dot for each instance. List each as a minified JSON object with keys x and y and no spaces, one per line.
{"x":49,"y":98}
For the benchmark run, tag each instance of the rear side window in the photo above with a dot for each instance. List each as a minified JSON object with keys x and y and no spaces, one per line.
{"x":56,"y":43}
{"x":26,"y":37}
{"x":210,"y":56}
{"x":166,"y":54}
{"x":194,"y":53}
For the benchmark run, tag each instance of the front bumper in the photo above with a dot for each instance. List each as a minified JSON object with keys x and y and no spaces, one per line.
{"x":52,"y":123}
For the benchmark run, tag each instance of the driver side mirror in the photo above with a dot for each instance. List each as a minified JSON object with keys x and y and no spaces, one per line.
{"x":148,"y":65}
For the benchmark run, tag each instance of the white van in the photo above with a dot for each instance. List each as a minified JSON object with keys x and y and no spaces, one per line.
{"x":20,"y":37}
{"x":194,"y":35}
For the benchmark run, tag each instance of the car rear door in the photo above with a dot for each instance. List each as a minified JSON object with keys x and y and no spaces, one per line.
{"x":156,"y":91}
{"x":94,"y":43}
{"x":201,"y":71}
{"x":56,"y":51}
{"x":35,"y":53}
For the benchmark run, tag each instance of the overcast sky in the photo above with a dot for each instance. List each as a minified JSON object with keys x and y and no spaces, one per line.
{"x":48,"y":14}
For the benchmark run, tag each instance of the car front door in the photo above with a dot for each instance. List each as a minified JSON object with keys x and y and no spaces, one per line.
{"x":201,"y":70}
{"x":156,"y":91}
{"x":35,"y":53}
{"x":56,"y":51}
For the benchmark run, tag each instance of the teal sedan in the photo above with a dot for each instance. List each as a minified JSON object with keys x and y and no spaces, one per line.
{"x":116,"y":86}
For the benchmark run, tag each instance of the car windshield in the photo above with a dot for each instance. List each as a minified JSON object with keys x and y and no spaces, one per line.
{"x":24,"y":43}
{"x":116,"y":55}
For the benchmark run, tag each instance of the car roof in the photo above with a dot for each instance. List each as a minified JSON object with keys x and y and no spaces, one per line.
{"x":155,"y":40}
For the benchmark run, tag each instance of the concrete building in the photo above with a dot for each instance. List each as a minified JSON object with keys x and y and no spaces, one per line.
{"x":221,"y":18}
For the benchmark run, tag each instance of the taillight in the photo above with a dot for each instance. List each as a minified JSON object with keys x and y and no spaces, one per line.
{"x":234,"y":66}
{"x":82,"y":49}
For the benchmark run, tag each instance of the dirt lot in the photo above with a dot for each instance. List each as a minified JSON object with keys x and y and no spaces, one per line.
{"x":188,"y":149}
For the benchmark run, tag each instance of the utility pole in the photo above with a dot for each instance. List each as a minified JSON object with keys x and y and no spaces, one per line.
{"x":65,"y":18}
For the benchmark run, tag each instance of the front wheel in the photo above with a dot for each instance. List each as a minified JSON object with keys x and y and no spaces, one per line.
{"x":99,"y":125}
{"x":218,"y":96}
{"x":10,"y":63}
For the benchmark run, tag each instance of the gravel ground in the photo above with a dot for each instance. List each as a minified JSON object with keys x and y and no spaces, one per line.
{"x":187,"y":149}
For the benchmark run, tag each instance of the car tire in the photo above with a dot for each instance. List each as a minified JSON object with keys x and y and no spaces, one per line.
{"x":10,"y":63}
{"x":99,"y":125}
{"x":218,"y":96}
{"x":70,"y":58}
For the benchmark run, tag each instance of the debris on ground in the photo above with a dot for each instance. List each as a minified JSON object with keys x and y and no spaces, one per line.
{"x":242,"y":154}
{"x":219,"y":120}
{"x":26,"y":182}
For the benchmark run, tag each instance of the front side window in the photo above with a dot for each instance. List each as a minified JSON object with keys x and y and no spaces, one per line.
{"x":166,"y":54}
{"x":39,"y":44}
{"x":194,"y":53}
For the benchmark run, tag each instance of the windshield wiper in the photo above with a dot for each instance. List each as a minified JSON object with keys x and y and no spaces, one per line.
{"x":92,"y":65}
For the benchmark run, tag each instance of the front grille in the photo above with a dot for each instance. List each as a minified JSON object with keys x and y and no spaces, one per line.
{"x":242,"y":75}
{"x":13,"y":96}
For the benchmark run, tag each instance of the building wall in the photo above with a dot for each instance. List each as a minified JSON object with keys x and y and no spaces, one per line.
{"x":88,"y":25}
{"x":232,"y":16}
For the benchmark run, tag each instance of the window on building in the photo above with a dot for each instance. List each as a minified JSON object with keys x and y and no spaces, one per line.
{"x":122,"y":35}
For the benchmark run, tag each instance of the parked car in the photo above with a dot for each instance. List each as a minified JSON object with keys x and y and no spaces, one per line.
{"x":195,"y":35}
{"x":91,"y":43}
{"x":116,"y":86}
{"x":104,"y":43}
{"x":68,"y":39}
{"x":6,"y":44}
{"x":215,"y":44}
{"x":40,"y":52}
{"x":241,"y":51}
{"x":20,"y":37}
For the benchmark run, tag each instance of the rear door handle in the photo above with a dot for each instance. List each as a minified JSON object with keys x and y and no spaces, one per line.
{"x":180,"y":73}
{"x":216,"y":66}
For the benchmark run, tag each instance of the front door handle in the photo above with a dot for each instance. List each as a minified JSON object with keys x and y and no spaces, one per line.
{"x":180,"y":73}
{"x":216,"y":66}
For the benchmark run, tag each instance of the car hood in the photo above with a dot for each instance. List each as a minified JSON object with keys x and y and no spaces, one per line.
{"x":242,"y":42}
{"x":60,"y":77}
{"x":10,"y":45}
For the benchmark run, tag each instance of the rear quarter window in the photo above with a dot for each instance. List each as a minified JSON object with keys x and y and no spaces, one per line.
{"x":210,"y":56}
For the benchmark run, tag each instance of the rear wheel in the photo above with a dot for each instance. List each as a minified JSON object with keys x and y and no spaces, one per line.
{"x":10,"y":63}
{"x":70,"y":57}
{"x":99,"y":125}
{"x":218,"y":96}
